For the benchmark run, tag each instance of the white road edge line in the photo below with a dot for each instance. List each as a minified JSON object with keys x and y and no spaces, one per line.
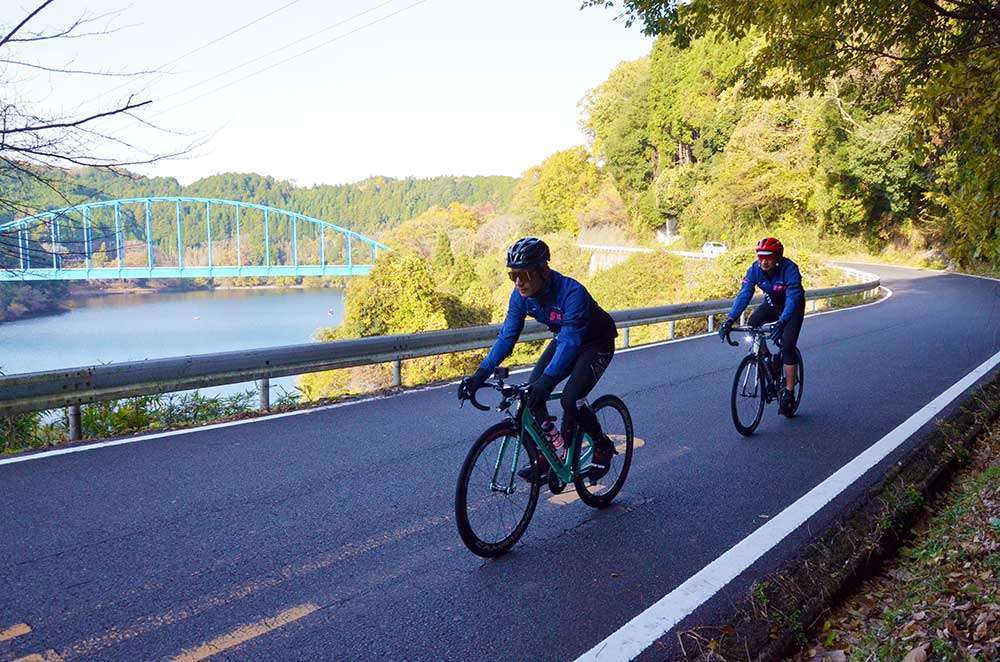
{"x":302,"y":412}
{"x":639,"y":633}
{"x":943,"y":272}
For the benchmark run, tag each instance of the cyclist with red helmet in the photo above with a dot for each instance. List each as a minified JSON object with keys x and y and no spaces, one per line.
{"x":784,"y":303}
{"x":580,"y":352}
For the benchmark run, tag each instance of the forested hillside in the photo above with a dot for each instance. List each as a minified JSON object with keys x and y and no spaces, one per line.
{"x":835,"y":122}
{"x":370,"y":206}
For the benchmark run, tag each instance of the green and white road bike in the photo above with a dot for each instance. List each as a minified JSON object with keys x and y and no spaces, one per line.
{"x":494,"y":505}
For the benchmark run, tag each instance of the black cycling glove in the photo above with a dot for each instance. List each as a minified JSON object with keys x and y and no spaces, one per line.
{"x":469,"y":385}
{"x":725,"y":328}
{"x":777,"y":330}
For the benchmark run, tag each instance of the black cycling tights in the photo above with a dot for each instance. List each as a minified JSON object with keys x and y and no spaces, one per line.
{"x":765,"y":313}
{"x":590,"y":365}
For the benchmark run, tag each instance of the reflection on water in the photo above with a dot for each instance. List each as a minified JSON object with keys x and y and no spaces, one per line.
{"x":132,"y":327}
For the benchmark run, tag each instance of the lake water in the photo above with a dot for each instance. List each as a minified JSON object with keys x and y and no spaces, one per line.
{"x":132,"y":327}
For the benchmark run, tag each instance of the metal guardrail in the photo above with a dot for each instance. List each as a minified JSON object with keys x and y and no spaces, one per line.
{"x":72,"y":387}
{"x":629,"y":250}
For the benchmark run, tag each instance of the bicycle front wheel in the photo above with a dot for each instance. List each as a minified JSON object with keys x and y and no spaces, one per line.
{"x":616,"y":423}
{"x":800,"y":381}
{"x":493,"y":505}
{"x":748,"y":395}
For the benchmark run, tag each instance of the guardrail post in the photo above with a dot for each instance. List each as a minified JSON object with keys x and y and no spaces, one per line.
{"x":670,"y":332}
{"x":812,"y":305}
{"x":264,"y":385}
{"x":625,"y":337}
{"x":711,"y":323}
{"x":75,"y":426}
{"x":829,"y":302}
{"x":397,"y":373}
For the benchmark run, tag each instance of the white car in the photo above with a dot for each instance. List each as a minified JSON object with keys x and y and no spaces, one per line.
{"x":713,"y":248}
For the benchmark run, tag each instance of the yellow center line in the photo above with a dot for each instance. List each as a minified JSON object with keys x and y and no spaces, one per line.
{"x":245,"y":633}
{"x":570,"y":495}
{"x":14,"y":631}
{"x":144,"y":625}
{"x":47,"y":656}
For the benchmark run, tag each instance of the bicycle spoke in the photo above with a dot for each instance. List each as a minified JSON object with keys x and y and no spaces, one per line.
{"x":598,"y":491}
{"x":748,"y":395}
{"x":493,"y":512}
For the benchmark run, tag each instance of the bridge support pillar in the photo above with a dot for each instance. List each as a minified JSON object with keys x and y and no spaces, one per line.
{"x":75,"y":426}
{"x":625,"y":337}
{"x":264,"y":386}
{"x":397,"y":373}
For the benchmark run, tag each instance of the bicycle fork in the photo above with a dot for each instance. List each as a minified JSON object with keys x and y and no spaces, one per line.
{"x":495,"y":484}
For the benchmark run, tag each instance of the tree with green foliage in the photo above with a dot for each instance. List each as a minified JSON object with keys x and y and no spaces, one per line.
{"x":400,"y":296}
{"x":936,"y":61}
{"x":615,"y":116}
{"x":689,"y":117}
{"x":553,"y":194}
{"x":869,"y":180}
{"x":605,"y":209}
{"x":443,"y":259}
{"x":397,"y":297}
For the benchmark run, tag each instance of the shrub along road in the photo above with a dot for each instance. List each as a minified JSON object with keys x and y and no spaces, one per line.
{"x":329,"y":534}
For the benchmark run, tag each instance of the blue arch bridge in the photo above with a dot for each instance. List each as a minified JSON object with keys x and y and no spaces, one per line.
{"x":178,"y":237}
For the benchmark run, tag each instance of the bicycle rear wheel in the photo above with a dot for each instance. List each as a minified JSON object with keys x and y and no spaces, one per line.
{"x":616,"y":422}
{"x":800,"y":380}
{"x":747,"y":400}
{"x":493,"y":505}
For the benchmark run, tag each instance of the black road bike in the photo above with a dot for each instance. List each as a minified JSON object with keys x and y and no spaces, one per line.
{"x":759,"y":379}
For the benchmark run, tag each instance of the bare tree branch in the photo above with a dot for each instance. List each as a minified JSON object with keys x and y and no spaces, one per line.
{"x":36,"y":147}
{"x":60,"y":70}
{"x":981,"y":14}
{"x":65,"y":125}
{"x":24,"y":22}
{"x":67,"y":33}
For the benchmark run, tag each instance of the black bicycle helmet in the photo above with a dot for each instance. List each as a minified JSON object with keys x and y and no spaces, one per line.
{"x":527,"y":252}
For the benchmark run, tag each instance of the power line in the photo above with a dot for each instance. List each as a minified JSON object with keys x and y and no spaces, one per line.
{"x":289,"y":59}
{"x":203,"y":47}
{"x":279,"y":49}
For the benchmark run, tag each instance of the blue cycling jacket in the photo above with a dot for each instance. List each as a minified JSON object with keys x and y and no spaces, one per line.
{"x":782,"y":288}
{"x":569,"y":311}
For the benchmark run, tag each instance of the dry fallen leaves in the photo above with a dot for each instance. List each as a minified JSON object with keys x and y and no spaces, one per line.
{"x":918,"y":654}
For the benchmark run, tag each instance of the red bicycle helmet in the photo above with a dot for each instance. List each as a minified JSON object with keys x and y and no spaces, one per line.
{"x":770,"y":246}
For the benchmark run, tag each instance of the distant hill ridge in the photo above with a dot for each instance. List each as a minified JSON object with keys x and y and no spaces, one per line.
{"x":369,"y":206}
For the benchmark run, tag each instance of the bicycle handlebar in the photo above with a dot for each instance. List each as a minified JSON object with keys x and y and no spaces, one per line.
{"x":761,"y":330}
{"x":476,"y":403}
{"x":505,"y":390}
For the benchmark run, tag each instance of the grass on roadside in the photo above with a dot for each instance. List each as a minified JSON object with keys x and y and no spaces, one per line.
{"x":939,"y":598}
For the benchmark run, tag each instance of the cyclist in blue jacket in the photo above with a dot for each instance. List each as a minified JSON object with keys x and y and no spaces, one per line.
{"x":581,"y":350}
{"x":784,"y":302}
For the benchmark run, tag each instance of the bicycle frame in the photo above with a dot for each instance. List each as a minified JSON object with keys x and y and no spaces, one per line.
{"x":760,"y":350}
{"x":528,"y":428}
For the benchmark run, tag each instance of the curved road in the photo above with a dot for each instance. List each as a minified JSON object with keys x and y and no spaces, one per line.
{"x":328,"y":534}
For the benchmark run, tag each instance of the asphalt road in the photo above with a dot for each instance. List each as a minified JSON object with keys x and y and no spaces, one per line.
{"x":329,"y":535}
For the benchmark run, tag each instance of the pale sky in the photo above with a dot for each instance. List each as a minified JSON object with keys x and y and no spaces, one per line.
{"x":420,"y":88}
